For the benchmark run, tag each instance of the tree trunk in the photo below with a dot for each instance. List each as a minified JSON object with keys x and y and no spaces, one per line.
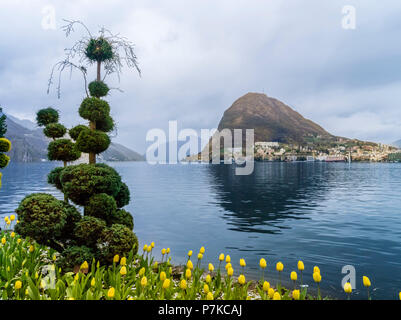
{"x":98,"y":70}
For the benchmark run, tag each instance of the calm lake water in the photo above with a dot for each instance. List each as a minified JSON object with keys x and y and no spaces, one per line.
{"x":327,"y":214}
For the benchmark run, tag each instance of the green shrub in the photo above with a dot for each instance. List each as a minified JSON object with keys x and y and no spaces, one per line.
{"x":74,"y":256}
{"x":94,"y":109}
{"x":101,"y":206}
{"x":5,"y":145}
{"x":118,"y":239}
{"x":54,"y":130}
{"x":99,"y":50}
{"x":73,"y":217}
{"x":93,"y":141}
{"x":123,"y":217}
{"x":54,"y":177}
{"x":74,"y":132}
{"x":46,"y":116}
{"x":88,"y":230}
{"x":123,"y":196}
{"x":4,"y":160}
{"x":63,"y":150}
{"x":81,"y":182}
{"x":42,"y":217}
{"x":98,"y":89}
{"x":106,"y":124}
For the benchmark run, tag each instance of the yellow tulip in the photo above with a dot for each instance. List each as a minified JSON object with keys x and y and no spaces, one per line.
{"x":93,"y":282}
{"x":347,"y":287}
{"x":31,"y":249}
{"x":163,"y":251}
{"x":3,"y":240}
{"x":270,"y":292}
{"x":200,"y":256}
{"x":190,"y":253}
{"x":241,"y":279}
{"x":279,"y":266}
{"x":263,"y":263}
{"x":166,"y":283}
{"x":141,"y":271}
{"x":155,"y":265}
{"x":183,"y":284}
{"x":17,"y":221}
{"x":149,"y":249}
{"x":296,"y":294}
{"x":8,"y":222}
{"x":168,"y":250}
{"x":144,"y":281}
{"x":18,"y":240}
{"x":12,"y":217}
{"x":123,"y":261}
{"x":316,"y":269}
{"x":54,"y":257}
{"x":209,"y":296}
{"x":208,"y":278}
{"x":317,"y":277}
{"x":202,"y":250}
{"x":228,"y":266}
{"x":76,"y":278}
{"x":399,"y":295}
{"x":266,"y":286}
{"x":123,"y":271}
{"x":211,"y":267}
{"x":276,"y":296}
{"x":163,"y":276}
{"x":12,"y":234}
{"x":293,"y":276}
{"x":301,"y":266}
{"x":206,"y":288}
{"x":190,"y":265}
{"x":18,"y":285}
{"x":242,"y":262}
{"x":152,"y":245}
{"x":6,"y":218}
{"x":228,"y":259}
{"x":84,"y":265}
{"x":116,"y":258}
{"x":26,"y":292}
{"x":230,"y":272}
{"x":145,"y":248}
{"x":111,"y":292}
{"x":188,"y":273}
{"x":221,"y":257}
{"x":366,"y":281}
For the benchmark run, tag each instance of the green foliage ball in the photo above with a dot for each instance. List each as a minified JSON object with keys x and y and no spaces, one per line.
{"x":98,"y":89}
{"x":94,"y":109}
{"x":63,"y":150}
{"x":106,"y":124}
{"x":88,"y":230}
{"x":123,"y":196}
{"x":54,"y":177}
{"x":93,"y":141}
{"x":123,"y":217}
{"x":42,"y":217}
{"x":101,"y":206}
{"x":75,"y":256}
{"x":54,"y":130}
{"x":99,"y":50}
{"x":73,"y":217}
{"x":46,"y":116}
{"x":74,"y":132}
{"x":81,"y":182}
{"x":4,"y":160}
{"x":5,"y":145}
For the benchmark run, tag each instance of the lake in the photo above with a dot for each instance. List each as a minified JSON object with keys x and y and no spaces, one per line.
{"x":327,"y":214}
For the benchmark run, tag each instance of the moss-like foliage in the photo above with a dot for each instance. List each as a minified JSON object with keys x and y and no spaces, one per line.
{"x":42,"y":217}
{"x":123,"y":217}
{"x":63,"y":150}
{"x":123,"y":196}
{"x":54,"y":177}
{"x":93,"y":141}
{"x":118,"y":239}
{"x":99,"y":50}
{"x":5,"y":145}
{"x":73,"y":217}
{"x":94,"y":109}
{"x":4,"y":160}
{"x":88,"y":230}
{"x":47,"y":116}
{"x":74,"y":132}
{"x":98,"y":89}
{"x":54,"y":130}
{"x":106,"y":124}
{"x":101,"y":206}
{"x":74,"y":256}
{"x":82,"y":181}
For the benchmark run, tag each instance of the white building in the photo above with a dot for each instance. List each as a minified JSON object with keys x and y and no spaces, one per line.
{"x":267,"y":144}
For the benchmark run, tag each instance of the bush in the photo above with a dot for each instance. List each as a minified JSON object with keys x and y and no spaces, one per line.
{"x":42,"y":217}
{"x":81,"y":182}
{"x":73,"y":217}
{"x":54,"y":130}
{"x":88,"y":230}
{"x":54,"y":177}
{"x":118,"y":239}
{"x":98,"y":89}
{"x":5,"y":145}
{"x":123,"y":217}
{"x":74,"y":132}
{"x":123,"y":196}
{"x":99,"y":50}
{"x":93,"y":141}
{"x":101,"y":206}
{"x":106,"y":124}
{"x":63,"y":150}
{"x":4,"y":160}
{"x":94,"y":109}
{"x":74,"y":256}
{"x":47,"y":116}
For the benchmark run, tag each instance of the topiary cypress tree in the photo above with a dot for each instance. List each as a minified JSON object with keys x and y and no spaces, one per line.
{"x":5,"y":144}
{"x":106,"y":228}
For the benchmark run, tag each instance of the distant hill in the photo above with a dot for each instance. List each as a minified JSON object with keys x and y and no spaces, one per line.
{"x":397,"y":143}
{"x":271,"y":119}
{"x":29,"y":144}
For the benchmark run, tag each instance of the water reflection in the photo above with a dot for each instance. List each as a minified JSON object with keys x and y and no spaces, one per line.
{"x":274,"y":193}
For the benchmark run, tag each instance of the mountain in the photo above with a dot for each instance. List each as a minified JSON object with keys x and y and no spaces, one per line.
{"x":30,"y":144}
{"x":271,"y":119}
{"x":397,"y":144}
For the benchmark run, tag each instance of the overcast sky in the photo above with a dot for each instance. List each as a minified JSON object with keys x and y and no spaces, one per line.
{"x":198,"y":56}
